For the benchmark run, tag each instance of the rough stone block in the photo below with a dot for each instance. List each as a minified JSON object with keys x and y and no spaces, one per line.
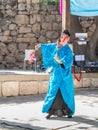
{"x":7,"y":39}
{"x":43,"y":86}
{"x":52,"y":33}
{"x":26,"y":40}
{"x":7,"y":33}
{"x":42,"y":39}
{"x":50,"y":18}
{"x":12,"y":26}
{"x":22,"y":19}
{"x":21,"y":1}
{"x":47,"y":26}
{"x":27,"y":88}
{"x":39,"y":17}
{"x":36,"y":28}
{"x":86,"y":82}
{"x":10,"y":88}
{"x":21,"y":6}
{"x":35,"y":1}
{"x":94,"y":82}
{"x":24,"y":30}
{"x":33,"y":19}
{"x":78,"y":84}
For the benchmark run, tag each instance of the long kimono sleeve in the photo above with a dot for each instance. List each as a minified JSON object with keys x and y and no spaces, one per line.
{"x":67,"y":60}
{"x":48,"y":52}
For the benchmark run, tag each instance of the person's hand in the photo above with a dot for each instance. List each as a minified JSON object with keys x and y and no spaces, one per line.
{"x":57,"y":59}
{"x":37,"y":46}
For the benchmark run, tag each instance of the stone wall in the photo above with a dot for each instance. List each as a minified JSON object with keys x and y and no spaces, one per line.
{"x":24,"y":23}
{"x":88,"y":24}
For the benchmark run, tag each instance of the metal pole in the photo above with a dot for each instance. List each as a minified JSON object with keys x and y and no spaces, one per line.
{"x":35,"y":65}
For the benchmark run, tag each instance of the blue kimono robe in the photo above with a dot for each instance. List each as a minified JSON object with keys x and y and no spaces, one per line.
{"x":60,"y":78}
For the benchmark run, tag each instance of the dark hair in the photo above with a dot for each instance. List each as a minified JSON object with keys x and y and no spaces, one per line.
{"x":66,"y":32}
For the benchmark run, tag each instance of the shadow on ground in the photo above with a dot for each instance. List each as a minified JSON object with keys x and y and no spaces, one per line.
{"x":25,"y":126}
{"x":40,"y":97}
{"x":18,"y":126}
{"x":22,"y":99}
{"x":90,"y":92}
{"x":79,"y":120}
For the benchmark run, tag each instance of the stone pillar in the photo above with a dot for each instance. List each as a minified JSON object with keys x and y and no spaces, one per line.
{"x":66,"y":15}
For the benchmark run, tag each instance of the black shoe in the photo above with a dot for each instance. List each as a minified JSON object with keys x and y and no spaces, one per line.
{"x":69,"y":117}
{"x":48,"y":116}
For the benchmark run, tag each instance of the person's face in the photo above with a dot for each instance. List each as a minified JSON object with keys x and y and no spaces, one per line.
{"x":64,"y":39}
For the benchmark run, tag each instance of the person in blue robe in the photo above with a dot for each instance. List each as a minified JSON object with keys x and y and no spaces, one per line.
{"x":59,"y":99}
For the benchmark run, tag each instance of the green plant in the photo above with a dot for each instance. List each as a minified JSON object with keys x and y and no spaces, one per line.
{"x":50,"y":2}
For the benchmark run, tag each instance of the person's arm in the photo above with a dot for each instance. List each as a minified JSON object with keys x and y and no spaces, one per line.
{"x":67,"y":60}
{"x":59,"y":61}
{"x":37,"y":46}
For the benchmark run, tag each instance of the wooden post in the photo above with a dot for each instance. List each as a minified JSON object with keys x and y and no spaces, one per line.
{"x":66,"y":15}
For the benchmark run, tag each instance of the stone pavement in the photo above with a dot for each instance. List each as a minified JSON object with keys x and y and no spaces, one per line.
{"x":24,"y":113}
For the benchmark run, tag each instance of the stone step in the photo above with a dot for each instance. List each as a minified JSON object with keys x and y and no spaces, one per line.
{"x":16,"y":83}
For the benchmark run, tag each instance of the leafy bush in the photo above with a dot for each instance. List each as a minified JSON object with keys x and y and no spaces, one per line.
{"x":50,"y":2}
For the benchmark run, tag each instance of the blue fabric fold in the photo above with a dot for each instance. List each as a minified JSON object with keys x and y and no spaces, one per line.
{"x":84,"y":7}
{"x":48,"y":52}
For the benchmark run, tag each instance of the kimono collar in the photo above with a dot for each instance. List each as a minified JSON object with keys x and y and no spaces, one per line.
{"x":65,"y":46}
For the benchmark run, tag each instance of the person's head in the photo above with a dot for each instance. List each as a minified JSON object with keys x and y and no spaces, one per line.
{"x":65,"y":36}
